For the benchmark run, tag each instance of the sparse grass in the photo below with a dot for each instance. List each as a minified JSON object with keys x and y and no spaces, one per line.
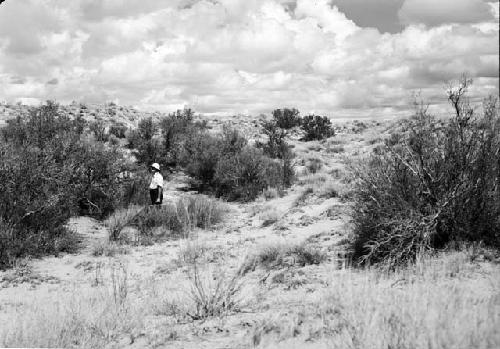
{"x":200,"y":252}
{"x":303,"y":196}
{"x":335,"y":149}
{"x":313,"y":179}
{"x":108,"y":249}
{"x":88,"y":319}
{"x":434,"y":304}
{"x":332,"y":189}
{"x":269,"y":216}
{"x":279,"y":255}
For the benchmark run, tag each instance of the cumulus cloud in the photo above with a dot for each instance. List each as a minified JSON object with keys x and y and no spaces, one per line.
{"x":237,"y":56}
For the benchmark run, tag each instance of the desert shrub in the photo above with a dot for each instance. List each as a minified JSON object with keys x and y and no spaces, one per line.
{"x":119,"y":130}
{"x":133,"y":182}
{"x":317,"y":127}
{"x":276,"y":146}
{"x":98,"y":129}
{"x":201,"y":211}
{"x":147,"y":148}
{"x":314,"y":165}
{"x":47,"y":174}
{"x":269,"y":216}
{"x":227,"y":166}
{"x":286,"y":118}
{"x":175,"y":220}
{"x":277,"y":256}
{"x":359,"y":126}
{"x":243,"y":176}
{"x":439,"y":184}
{"x":200,"y":157}
{"x":108,"y":249}
{"x":214,"y":293}
{"x":176,"y":129}
{"x":336,"y":149}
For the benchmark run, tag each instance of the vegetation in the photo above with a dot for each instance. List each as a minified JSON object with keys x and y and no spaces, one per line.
{"x":436,"y":184}
{"x":286,"y":118}
{"x":48,"y":172}
{"x":172,"y":220}
{"x":277,"y":256}
{"x":317,"y":127}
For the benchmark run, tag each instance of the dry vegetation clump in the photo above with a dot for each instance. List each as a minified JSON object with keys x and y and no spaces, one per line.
{"x":188,"y":213}
{"x":434,"y":185}
{"x":337,"y":149}
{"x":108,"y":249}
{"x":120,"y":219}
{"x":214,"y":293}
{"x":269,"y":216}
{"x":314,"y":165}
{"x":277,"y":256}
{"x":303,"y":197}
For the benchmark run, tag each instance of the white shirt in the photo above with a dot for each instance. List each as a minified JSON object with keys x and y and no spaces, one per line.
{"x":156,"y":181}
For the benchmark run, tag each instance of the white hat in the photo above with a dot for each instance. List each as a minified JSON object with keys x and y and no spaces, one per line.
{"x":156,"y":166}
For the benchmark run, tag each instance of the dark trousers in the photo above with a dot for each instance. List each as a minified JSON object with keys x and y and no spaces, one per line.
{"x":154,"y":193}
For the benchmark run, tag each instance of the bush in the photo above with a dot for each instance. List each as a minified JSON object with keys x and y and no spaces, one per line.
{"x":188,"y":213}
{"x":278,"y":256}
{"x":317,"y":127}
{"x":47,"y":174}
{"x":286,"y":118}
{"x":176,"y":129}
{"x":98,"y":128}
{"x":200,"y":156}
{"x":214,"y":293}
{"x":147,"y":147}
{"x":438,"y":185}
{"x":276,"y":146}
{"x":119,"y":130}
{"x":246,"y":174}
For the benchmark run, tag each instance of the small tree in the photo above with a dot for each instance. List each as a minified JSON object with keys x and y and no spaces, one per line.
{"x":286,"y":118}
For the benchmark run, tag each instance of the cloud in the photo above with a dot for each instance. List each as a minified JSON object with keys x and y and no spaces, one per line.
{"x":434,"y":13}
{"x":236,"y":56}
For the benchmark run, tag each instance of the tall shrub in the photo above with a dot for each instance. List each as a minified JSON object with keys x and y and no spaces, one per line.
{"x":438,"y":184}
{"x":317,"y":127}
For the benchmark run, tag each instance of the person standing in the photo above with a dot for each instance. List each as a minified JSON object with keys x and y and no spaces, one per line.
{"x":156,"y":186}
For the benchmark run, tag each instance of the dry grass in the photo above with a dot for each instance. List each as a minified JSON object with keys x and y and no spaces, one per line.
{"x":188,"y":213}
{"x":281,"y":255}
{"x":443,"y":302}
{"x":434,"y":304}
{"x":88,"y":319}
{"x":108,"y":249}
{"x":214,"y":292}
{"x":269,"y":216}
{"x":120,"y":219}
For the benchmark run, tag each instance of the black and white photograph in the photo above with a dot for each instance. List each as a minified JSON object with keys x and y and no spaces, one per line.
{"x":240,"y":174}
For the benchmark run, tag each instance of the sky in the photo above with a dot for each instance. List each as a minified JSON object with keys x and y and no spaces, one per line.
{"x":340,"y":58}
